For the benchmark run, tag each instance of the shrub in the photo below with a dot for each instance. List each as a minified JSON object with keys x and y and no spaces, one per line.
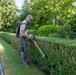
{"x":47,"y":29}
{"x":11,"y":39}
{"x":54,"y":35}
{"x":64,"y":31}
{"x":33,"y":31}
{"x":60,"y":54}
{"x":72,"y":35}
{"x":73,"y":23}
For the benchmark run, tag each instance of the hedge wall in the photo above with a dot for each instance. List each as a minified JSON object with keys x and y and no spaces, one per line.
{"x":60,"y":54}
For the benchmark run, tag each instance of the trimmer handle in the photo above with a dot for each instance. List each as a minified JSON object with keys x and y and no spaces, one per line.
{"x":32,"y":39}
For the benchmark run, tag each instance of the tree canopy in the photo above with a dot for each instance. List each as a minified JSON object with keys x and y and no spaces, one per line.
{"x":49,"y":11}
{"x":45,"y":12}
{"x":8,"y":10}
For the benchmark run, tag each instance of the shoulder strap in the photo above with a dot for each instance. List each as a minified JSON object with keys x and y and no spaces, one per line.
{"x":25,"y":26}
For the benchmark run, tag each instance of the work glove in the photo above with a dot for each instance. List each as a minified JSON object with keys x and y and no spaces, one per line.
{"x":32,"y":39}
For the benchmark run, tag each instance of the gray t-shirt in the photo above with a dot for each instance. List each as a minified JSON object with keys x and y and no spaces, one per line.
{"x":23,"y":27}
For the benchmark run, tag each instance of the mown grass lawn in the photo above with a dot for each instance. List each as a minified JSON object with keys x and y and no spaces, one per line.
{"x":11,"y":61}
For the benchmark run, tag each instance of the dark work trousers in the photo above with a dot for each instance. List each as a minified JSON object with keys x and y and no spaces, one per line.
{"x":23,"y":48}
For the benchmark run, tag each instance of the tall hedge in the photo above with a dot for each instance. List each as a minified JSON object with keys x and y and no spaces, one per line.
{"x":60,"y":54}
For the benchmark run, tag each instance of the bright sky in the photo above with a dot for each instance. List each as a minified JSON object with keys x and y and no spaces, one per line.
{"x":19,"y":3}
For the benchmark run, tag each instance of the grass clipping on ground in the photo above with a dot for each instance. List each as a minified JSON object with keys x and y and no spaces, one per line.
{"x":11,"y":61}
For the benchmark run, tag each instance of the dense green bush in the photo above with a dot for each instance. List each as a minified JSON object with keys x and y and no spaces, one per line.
{"x":60,"y":54}
{"x":11,"y":38}
{"x":73,"y":23}
{"x":33,"y":31}
{"x":47,"y":29}
{"x":65,"y":31}
{"x":54,"y":35}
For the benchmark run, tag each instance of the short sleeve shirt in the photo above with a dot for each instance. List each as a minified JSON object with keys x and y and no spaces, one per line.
{"x":23,"y":26}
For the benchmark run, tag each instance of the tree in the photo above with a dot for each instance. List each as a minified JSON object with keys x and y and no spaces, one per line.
{"x":8,"y":15}
{"x":50,"y":12}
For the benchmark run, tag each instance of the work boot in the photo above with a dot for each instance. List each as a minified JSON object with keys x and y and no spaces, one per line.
{"x":25,"y":64}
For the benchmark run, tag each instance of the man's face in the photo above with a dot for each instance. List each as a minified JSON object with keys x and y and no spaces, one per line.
{"x":29,"y":20}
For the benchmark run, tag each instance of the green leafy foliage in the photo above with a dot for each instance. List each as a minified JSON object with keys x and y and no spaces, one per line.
{"x":73,"y":24}
{"x":64,"y":31}
{"x":59,"y":54}
{"x":33,"y":31}
{"x":49,"y":12}
{"x":45,"y":12}
{"x":47,"y":29}
{"x":8,"y":15}
{"x":54,"y":35}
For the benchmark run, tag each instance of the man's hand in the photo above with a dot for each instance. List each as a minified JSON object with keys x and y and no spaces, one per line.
{"x":22,"y":33}
{"x":29,"y":36}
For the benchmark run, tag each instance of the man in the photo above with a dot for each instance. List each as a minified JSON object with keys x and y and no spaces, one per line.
{"x":23,"y":35}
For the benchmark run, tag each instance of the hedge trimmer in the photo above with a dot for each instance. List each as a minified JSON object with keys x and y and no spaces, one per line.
{"x":33,"y":40}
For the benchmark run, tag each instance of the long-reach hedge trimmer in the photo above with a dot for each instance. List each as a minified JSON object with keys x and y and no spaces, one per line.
{"x":33,"y":40}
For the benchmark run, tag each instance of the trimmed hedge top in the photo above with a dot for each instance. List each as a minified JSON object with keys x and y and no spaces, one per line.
{"x":66,"y":42}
